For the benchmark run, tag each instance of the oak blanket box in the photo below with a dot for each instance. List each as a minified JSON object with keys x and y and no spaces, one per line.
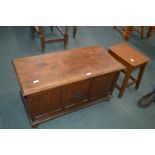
{"x":56,"y":83}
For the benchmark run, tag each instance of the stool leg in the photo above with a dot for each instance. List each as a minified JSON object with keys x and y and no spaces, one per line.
{"x":142,"y":68}
{"x":125,"y":82}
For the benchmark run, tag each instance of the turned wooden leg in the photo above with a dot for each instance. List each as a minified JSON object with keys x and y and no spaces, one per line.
{"x":125,"y":82}
{"x":65,"y":41}
{"x":66,"y":37}
{"x":142,"y":32}
{"x":42,"y":41}
{"x":32,"y":31}
{"x":74,"y":31}
{"x":41,"y":32}
{"x":141,"y":71}
{"x":127,"y":32}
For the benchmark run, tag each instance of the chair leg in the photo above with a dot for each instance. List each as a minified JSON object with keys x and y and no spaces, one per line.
{"x":141,"y":71}
{"x":66,"y":37}
{"x":127,"y":32}
{"x":142,"y":32}
{"x":149,"y":33}
{"x":74,"y":31}
{"x":42,"y":41}
{"x":41,"y":32}
{"x":51,"y":27}
{"x":65,"y":41}
{"x":32,"y":32}
{"x":125,"y":82}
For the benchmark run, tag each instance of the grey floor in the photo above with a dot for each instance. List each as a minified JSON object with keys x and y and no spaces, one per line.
{"x":118,"y":113}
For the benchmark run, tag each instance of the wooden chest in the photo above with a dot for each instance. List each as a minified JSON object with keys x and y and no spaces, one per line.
{"x":57,"y":83}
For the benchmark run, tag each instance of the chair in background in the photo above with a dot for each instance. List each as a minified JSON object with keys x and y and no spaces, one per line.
{"x":128,"y":30}
{"x":40,"y":31}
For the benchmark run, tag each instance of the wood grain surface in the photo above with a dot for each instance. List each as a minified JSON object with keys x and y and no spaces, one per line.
{"x":50,"y":70}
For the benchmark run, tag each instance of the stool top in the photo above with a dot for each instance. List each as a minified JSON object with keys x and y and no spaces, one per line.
{"x":128,"y":54}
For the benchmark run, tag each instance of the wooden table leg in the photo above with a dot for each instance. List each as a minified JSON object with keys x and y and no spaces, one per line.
{"x":125,"y":82}
{"x":141,"y":71}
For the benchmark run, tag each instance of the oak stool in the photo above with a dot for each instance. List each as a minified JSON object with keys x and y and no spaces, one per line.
{"x":131,"y":59}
